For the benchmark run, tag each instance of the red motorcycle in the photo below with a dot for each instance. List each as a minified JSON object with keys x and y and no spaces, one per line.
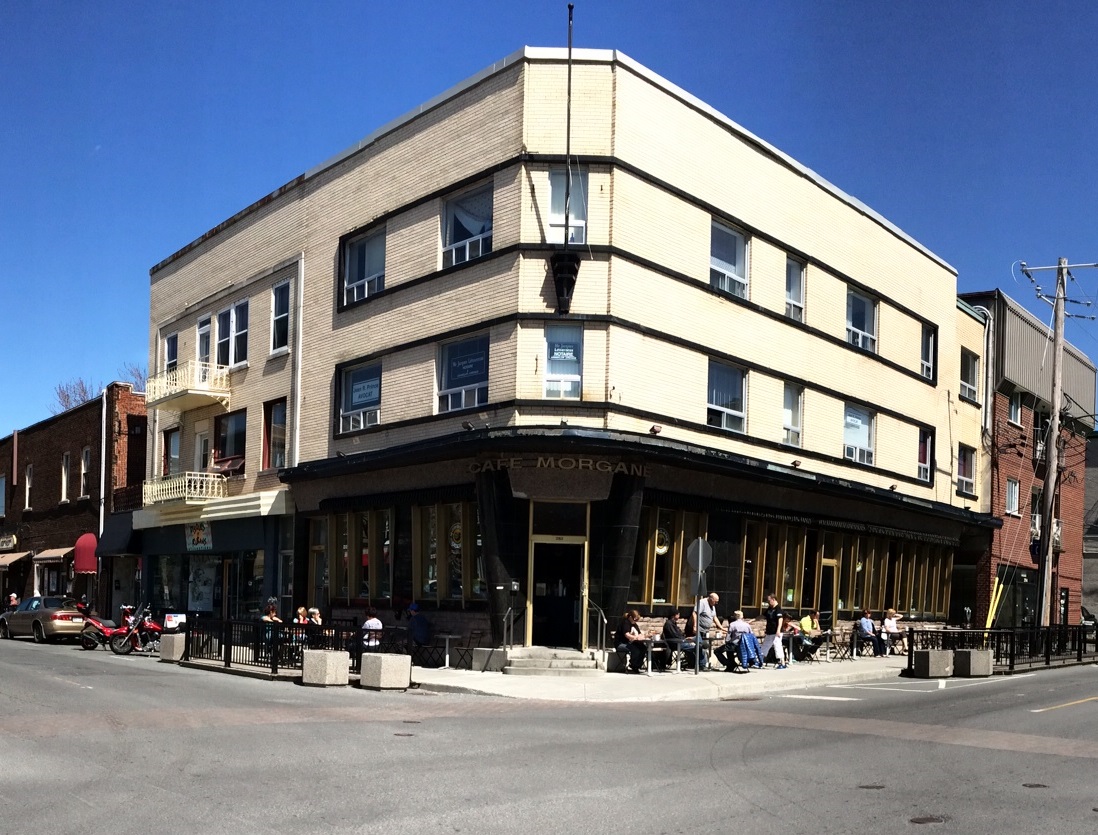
{"x":141,"y":633}
{"x":98,"y":631}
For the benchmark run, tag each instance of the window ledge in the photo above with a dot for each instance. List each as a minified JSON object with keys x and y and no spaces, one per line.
{"x":279,"y":352}
{"x":63,"y":501}
{"x":1015,"y":424}
{"x":969,"y":400}
{"x":962,"y":494}
{"x":240,"y":366}
{"x":1013,"y":513}
{"x":83,"y":498}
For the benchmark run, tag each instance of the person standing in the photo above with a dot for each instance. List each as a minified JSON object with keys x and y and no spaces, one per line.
{"x":702,"y":619}
{"x":772,"y":636}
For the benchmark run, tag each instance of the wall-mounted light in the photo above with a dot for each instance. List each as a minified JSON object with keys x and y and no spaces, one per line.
{"x":655,"y":429}
{"x":893,"y":486}
{"x":563,"y":421}
{"x":467,"y":425}
{"x":341,"y":453}
{"x":796,"y":462}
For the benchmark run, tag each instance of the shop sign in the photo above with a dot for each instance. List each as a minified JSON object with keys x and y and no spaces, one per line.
{"x":560,"y":462}
{"x":199,"y":536}
{"x":8,"y":541}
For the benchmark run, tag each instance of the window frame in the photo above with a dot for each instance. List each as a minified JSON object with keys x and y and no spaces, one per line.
{"x":925,"y":468}
{"x":85,"y":472}
{"x":171,"y":351}
{"x":280,"y":321}
{"x":359,"y":288}
{"x":270,"y":436}
{"x":928,"y":352}
{"x":477,"y":389}
{"x":1014,"y":408}
{"x":970,"y":388}
{"x":3,"y":494}
{"x":859,"y":337}
{"x":224,"y":459}
{"x":28,"y":486}
{"x":554,"y":232}
{"x":792,"y":429}
{"x":1012,"y":497}
{"x":794,"y":306}
{"x":559,"y":380}
{"x":966,"y":454}
{"x":718,"y":415}
{"x":722,"y":274}
{"x":369,"y":415}
{"x":856,"y":452}
{"x":234,"y":338}
{"x":203,"y":331}
{"x":457,"y":251}
{"x":66,"y":462}
{"x":172,"y":465}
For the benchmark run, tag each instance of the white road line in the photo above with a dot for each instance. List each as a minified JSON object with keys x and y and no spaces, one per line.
{"x":821,"y":698}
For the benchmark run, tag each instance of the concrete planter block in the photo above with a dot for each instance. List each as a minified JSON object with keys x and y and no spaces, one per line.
{"x":325,"y":667}
{"x":171,"y":647}
{"x":973,"y":663}
{"x":381,"y":671}
{"x":488,"y":659}
{"x":933,"y":663}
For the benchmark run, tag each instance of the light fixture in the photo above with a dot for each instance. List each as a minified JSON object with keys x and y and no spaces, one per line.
{"x":467,"y":425}
{"x":565,"y":267}
{"x":796,"y":462}
{"x":655,"y":429}
{"x":892,"y":486}
{"x":341,"y":453}
{"x":563,"y":422}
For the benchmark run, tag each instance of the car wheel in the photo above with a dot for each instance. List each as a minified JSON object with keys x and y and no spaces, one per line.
{"x":4,"y":632}
{"x":39,"y":633}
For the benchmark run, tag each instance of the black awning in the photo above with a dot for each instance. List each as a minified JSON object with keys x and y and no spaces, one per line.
{"x":119,"y":537}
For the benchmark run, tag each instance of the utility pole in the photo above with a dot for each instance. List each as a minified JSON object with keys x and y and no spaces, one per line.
{"x":1052,"y":447}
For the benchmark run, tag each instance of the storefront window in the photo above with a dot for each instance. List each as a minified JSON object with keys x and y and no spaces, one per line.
{"x":663,"y":555}
{"x":808,"y":574}
{"x":318,"y":562}
{"x":167,"y":583}
{"x":772,"y":565}
{"x":202,"y":579}
{"x":794,"y":549}
{"x":645,"y":534}
{"x":428,"y":565}
{"x":752,"y":556}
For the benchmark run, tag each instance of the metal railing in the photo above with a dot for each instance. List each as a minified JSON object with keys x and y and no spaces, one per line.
{"x":190,"y":376}
{"x":595,"y":610}
{"x":190,"y":487}
{"x":1012,"y":649}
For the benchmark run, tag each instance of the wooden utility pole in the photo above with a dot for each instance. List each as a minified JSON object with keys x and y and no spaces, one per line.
{"x":1052,"y":447}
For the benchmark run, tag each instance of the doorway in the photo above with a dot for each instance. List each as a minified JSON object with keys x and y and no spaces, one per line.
{"x":828,"y":604}
{"x":557,"y":598}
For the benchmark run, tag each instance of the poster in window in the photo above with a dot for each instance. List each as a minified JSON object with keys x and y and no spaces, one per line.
{"x":199,"y":536}
{"x":564,"y":351}
{"x":366,"y":392}
{"x":200,"y":584}
{"x":470,"y":366}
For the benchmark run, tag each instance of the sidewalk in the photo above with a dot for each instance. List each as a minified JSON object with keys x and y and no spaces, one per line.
{"x":659,"y":687}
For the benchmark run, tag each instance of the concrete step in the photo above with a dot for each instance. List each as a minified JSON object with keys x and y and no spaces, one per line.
{"x":547,"y":653}
{"x":567,"y":672}
{"x":555,"y":663}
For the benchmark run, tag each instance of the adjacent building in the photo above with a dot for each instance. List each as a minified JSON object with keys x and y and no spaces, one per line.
{"x":502,"y":371}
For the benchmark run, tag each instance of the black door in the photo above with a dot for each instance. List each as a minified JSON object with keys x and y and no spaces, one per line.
{"x":558,"y":571}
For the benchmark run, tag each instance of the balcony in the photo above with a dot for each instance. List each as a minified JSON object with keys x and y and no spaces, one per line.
{"x":185,"y":488}
{"x":190,"y":385}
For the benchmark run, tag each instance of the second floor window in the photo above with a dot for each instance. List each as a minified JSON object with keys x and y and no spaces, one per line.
{"x":171,"y":351}
{"x":926,"y":450}
{"x":231,"y":437}
{"x":1014,"y":409}
{"x":172,"y":464}
{"x":926,"y":361}
{"x":858,"y":434}
{"x":727,"y":400}
{"x":727,"y":261}
{"x":364,"y":266}
{"x":280,"y":316}
{"x":861,"y":321}
{"x":563,"y":360}
{"x":463,"y":374}
{"x":28,"y":481}
{"x":3,"y":496}
{"x":970,"y":371}
{"x":791,"y":414}
{"x":85,"y":471}
{"x":360,"y":401}
{"x":64,"y":476}
{"x":577,"y":205}
{"x":794,"y":289}
{"x":1013,"y":494}
{"x":467,"y":227}
{"x":966,"y":470}
{"x":232,"y":335}
{"x":274,"y":434}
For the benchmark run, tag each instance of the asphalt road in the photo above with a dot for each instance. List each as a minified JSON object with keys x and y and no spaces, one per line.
{"x":91,"y":742}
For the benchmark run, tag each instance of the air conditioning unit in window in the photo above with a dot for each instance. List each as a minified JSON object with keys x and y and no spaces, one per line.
{"x":1057,"y":527}
{"x":1035,"y":526}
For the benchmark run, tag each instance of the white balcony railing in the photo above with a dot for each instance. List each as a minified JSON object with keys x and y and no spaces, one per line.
{"x":189,"y":385}
{"x":188,"y":488}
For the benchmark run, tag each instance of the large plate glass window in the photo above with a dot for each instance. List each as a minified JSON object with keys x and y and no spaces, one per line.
{"x":563,"y":360}
{"x":861,"y":320}
{"x":280,"y":316}
{"x":364,"y":268}
{"x":360,"y":405}
{"x":858,"y":434}
{"x":467,"y":227}
{"x":727,"y":397}
{"x":577,"y":205}
{"x":463,"y":374}
{"x":728,"y":261}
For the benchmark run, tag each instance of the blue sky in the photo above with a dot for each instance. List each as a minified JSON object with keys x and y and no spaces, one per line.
{"x":131,"y":128}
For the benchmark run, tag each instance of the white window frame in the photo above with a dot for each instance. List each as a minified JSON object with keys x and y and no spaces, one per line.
{"x":792,"y":419}
{"x":1013,"y":497}
{"x":173,"y":464}
{"x":722,"y":415}
{"x":794,"y":289}
{"x":279,"y":317}
{"x":66,"y":462}
{"x":234,"y":336}
{"x":352,"y":415}
{"x":203,"y":450}
{"x":171,"y":351}
{"x":3,"y":495}
{"x":1014,"y":408}
{"x":970,"y":383}
{"x":28,"y":483}
{"x":358,"y":287}
{"x":966,"y":484}
{"x":85,"y":472}
{"x":577,"y":205}
{"x":858,"y":337}
{"x":723,"y":275}
{"x":460,"y":250}
{"x":466,"y":396}
{"x":857,"y":452}
{"x":927,"y":351}
{"x":923,"y":472}
{"x":561,"y":338}
{"x":270,"y":461}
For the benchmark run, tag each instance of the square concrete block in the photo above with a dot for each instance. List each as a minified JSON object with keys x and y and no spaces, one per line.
{"x":973,"y":663}
{"x":171,"y":646}
{"x":325,"y":667}
{"x":489,"y":659}
{"x":381,"y":671}
{"x":933,"y":663}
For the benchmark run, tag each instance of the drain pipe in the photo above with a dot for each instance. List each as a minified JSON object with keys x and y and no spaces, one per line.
{"x":989,"y":367}
{"x":297,"y":359}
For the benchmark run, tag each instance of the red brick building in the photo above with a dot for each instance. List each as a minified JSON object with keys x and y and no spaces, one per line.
{"x":61,"y":480}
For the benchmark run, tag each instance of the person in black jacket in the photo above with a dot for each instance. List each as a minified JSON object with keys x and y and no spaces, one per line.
{"x":672,"y":635}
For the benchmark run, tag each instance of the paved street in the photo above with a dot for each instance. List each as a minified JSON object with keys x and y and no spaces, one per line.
{"x":96,"y":743}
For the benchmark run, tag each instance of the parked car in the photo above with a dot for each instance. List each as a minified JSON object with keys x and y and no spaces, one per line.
{"x":44,"y":619}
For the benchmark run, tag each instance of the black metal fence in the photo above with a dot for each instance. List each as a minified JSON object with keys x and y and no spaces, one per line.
{"x":278,"y":647}
{"x":1012,"y":649}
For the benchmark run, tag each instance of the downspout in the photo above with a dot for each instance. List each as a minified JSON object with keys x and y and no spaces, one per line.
{"x":989,"y":368}
{"x":298,"y":335}
{"x":102,"y":469}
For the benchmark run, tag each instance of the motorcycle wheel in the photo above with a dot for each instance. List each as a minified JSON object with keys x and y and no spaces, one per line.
{"x":120,"y":645}
{"x":88,"y":639}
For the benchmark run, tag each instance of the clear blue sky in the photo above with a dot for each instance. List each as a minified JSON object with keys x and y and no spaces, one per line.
{"x":128,"y":129}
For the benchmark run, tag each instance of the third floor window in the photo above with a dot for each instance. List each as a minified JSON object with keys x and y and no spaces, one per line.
{"x":232,"y":335}
{"x":467,"y":227}
{"x":728,"y":261}
{"x":861,"y":321}
{"x":364,"y":266}
{"x":970,"y":371}
{"x":576,"y":182}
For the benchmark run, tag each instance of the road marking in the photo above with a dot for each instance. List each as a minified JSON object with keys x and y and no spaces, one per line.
{"x":1065,"y":704}
{"x":822,"y":698}
{"x":930,"y":685}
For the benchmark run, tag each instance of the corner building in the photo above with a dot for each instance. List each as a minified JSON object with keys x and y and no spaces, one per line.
{"x":489,"y":402}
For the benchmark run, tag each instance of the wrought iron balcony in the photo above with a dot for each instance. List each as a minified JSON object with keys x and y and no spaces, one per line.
{"x":185,"y":488}
{"x":190,"y":385}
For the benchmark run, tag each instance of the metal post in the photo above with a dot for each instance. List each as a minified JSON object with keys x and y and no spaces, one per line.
{"x":1052,"y":446}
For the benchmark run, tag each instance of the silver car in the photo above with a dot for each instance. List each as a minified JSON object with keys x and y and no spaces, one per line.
{"x":43,"y":618}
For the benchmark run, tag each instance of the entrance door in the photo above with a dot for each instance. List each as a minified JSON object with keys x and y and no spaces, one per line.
{"x":828,"y":593}
{"x":557,"y":594}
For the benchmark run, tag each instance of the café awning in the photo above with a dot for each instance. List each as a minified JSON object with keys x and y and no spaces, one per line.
{"x":85,"y":562}
{"x":9,"y":559}
{"x":52,"y":555}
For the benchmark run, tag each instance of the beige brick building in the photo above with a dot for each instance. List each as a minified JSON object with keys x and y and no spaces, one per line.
{"x":378,"y":385}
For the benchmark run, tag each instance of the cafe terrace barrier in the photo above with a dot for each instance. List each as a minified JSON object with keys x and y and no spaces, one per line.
{"x":1012,"y":649}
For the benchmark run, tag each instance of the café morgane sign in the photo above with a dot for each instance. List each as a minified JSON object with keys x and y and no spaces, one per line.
{"x":560,"y":462}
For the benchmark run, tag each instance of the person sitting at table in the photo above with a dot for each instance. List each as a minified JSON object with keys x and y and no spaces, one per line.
{"x":891,"y":632}
{"x":741,"y":648}
{"x":371,"y":631}
{"x":673,"y":636}
{"x":630,"y":639}
{"x":866,"y":632}
{"x":301,"y":616}
{"x":812,"y":636}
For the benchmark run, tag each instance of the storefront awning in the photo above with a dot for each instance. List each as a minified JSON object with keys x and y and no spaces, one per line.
{"x":52,"y":555}
{"x":118,"y":537}
{"x":9,"y":559}
{"x":85,"y":562}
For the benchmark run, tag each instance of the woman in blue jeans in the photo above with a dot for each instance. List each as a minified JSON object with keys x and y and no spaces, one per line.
{"x":630,"y":639}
